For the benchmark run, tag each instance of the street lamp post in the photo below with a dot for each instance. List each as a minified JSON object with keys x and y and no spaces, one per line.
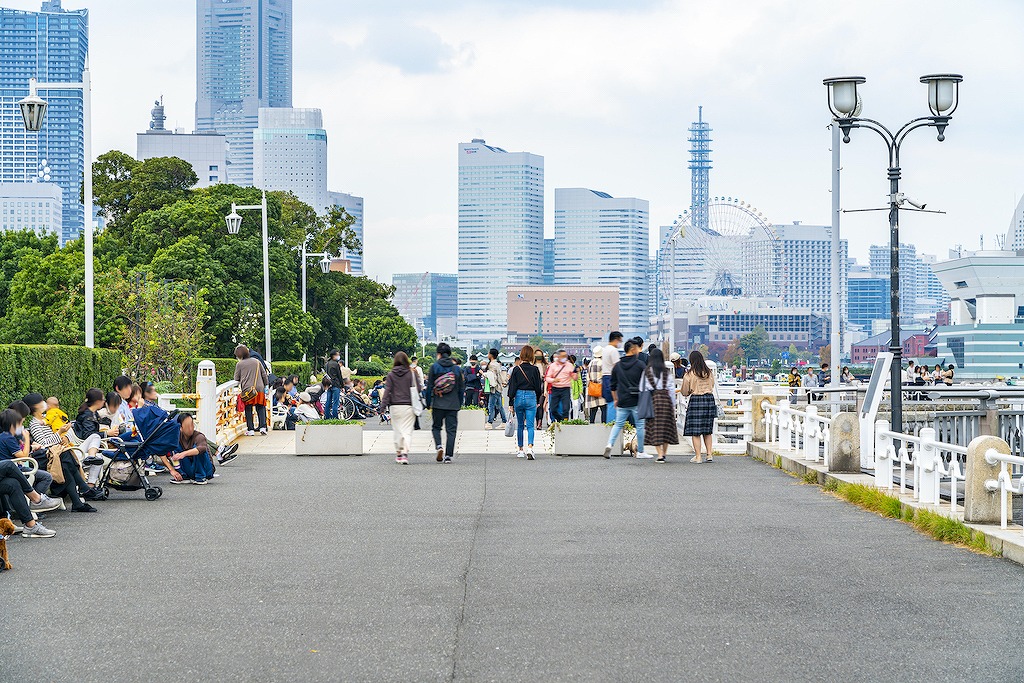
{"x":845,"y":105}
{"x":33,"y":109}
{"x":234,"y":223}
{"x":325,"y":267}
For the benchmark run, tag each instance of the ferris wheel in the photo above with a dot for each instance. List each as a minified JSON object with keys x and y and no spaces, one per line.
{"x":726,"y":248}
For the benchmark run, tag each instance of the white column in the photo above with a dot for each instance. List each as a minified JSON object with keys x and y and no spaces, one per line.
{"x":206,"y":406}
{"x":266,"y":280}
{"x":90,"y":337}
{"x":926,"y":455}
{"x":811,"y":435}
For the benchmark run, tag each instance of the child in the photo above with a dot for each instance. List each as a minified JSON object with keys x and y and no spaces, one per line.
{"x":55,"y":417}
{"x":193,"y":460}
{"x":88,"y":431}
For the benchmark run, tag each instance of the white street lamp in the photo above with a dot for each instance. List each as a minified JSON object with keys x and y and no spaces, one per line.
{"x":33,"y":109}
{"x":234,"y":223}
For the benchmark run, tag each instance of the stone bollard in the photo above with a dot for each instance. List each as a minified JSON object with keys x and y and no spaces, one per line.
{"x":844,"y":454}
{"x":981,"y":506}
{"x":759,"y":433}
{"x":206,"y":406}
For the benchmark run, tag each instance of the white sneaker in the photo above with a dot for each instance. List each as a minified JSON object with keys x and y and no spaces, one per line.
{"x":250,"y":433}
{"x":529,"y":453}
{"x":488,"y":426}
{"x":38,"y":531}
{"x":644,"y":456}
{"x":521,"y":453}
{"x":263,"y":432}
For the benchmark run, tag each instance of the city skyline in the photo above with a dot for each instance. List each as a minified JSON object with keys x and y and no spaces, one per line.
{"x":614,"y":113}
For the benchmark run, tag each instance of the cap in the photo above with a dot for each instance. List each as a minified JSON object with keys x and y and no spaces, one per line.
{"x":674,"y":357}
{"x":305,"y":397}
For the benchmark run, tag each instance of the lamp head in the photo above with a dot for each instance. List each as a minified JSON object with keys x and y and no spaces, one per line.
{"x":33,"y":108}
{"x":843,"y":100}
{"x":234,"y":221}
{"x":325,"y":264}
{"x":943,"y":92}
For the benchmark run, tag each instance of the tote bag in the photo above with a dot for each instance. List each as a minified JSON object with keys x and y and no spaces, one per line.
{"x":414,"y":394}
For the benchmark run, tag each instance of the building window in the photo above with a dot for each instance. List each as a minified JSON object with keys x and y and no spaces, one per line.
{"x":961,"y":284}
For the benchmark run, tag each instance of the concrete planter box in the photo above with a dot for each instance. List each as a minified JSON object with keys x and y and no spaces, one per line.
{"x":472,"y":419}
{"x":314,"y":439}
{"x":584,"y":440}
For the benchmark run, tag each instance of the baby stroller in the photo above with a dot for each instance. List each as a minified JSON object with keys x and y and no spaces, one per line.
{"x":124,"y":465}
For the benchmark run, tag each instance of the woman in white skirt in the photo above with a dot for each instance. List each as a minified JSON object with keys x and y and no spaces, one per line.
{"x":402,"y":389}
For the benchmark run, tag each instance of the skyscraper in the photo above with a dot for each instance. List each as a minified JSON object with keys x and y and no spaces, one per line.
{"x":921,"y":292}
{"x":51,"y":45}
{"x":290,"y":154}
{"x":428,"y":302}
{"x":603,"y":240}
{"x":501,"y":233}
{"x":243,"y":63}
{"x":204,"y":151}
{"x":353,"y":206}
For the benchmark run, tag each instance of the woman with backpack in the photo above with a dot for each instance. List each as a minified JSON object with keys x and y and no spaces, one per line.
{"x":659,"y":379}
{"x":525,"y":389}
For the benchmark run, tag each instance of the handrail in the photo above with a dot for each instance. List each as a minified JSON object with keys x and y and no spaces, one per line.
{"x":1004,"y":481}
{"x":785,"y":425}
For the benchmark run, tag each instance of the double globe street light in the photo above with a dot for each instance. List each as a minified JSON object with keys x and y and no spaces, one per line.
{"x":844,"y":102}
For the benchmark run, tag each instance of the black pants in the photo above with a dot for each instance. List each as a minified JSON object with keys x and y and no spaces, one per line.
{"x":73,"y":481}
{"x":450,"y":418}
{"x":13,"y":487}
{"x":472,"y":397}
{"x":560,"y":400}
{"x":604,"y":413}
{"x":261,"y":413}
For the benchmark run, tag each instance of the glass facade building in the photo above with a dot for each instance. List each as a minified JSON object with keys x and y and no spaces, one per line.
{"x":290,"y":154}
{"x":243,"y":63}
{"x":867,"y":300}
{"x":501,"y":234}
{"x":601,"y":240}
{"x":52,"y":46}
{"x":428,"y":301}
{"x":353,"y":206}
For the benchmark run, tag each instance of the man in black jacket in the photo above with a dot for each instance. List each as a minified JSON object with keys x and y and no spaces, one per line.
{"x":333,"y":397}
{"x":445,"y":389}
{"x":625,"y":384}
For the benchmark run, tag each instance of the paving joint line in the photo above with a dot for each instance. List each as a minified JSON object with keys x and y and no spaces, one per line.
{"x":465,"y":580}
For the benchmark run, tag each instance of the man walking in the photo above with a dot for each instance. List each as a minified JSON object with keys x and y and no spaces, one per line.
{"x":474,"y":382}
{"x":625,"y":383}
{"x":558,"y":380}
{"x":445,"y":388}
{"x":334,"y":374}
{"x":497,"y":379}
{"x":609,"y":357}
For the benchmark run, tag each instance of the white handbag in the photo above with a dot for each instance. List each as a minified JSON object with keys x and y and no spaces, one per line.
{"x":414,"y":394}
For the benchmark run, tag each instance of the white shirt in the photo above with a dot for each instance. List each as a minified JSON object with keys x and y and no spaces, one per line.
{"x":609,"y":357}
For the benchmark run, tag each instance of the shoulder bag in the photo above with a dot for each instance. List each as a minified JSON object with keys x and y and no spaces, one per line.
{"x":414,"y":394}
{"x":645,"y":402}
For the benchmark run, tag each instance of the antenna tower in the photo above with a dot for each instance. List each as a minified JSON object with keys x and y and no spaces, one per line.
{"x":700,"y":169}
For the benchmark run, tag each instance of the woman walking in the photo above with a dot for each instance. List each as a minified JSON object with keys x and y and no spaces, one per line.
{"x":525,"y":390}
{"x":660,"y":431}
{"x":701,"y":411}
{"x":541,"y":363}
{"x":402,"y":389}
{"x":595,"y":396}
{"x":251,"y":375}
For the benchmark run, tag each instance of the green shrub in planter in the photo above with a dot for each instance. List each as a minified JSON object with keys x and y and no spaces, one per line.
{"x":66,"y":372}
{"x":336,"y":422}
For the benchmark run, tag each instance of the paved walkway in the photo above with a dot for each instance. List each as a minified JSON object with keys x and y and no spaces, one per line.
{"x":499,"y":569}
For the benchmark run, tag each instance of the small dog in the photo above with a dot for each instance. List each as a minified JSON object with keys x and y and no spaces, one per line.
{"x":6,"y":530}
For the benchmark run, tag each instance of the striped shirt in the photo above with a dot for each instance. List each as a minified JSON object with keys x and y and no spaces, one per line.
{"x":42,"y":435}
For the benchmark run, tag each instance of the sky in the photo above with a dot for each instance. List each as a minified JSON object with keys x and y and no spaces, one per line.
{"x":605,"y":91}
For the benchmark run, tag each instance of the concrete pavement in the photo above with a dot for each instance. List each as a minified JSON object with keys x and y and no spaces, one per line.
{"x":499,"y":569}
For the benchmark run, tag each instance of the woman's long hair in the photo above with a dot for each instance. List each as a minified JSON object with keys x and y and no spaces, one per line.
{"x":698,"y":366}
{"x":401,"y":359}
{"x":656,"y":362}
{"x":526,"y":354}
{"x":91,"y":397}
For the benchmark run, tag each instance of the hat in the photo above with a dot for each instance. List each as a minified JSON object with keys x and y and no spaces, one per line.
{"x":305,"y":397}
{"x":598,"y":350}
{"x":674,"y":357}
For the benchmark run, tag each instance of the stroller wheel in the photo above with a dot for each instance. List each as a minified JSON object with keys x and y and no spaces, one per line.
{"x":153,"y":493}
{"x":106,"y":493}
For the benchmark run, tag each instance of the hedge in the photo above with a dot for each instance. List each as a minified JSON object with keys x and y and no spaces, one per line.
{"x":66,"y":372}
{"x":225,"y":368}
{"x":365,"y":368}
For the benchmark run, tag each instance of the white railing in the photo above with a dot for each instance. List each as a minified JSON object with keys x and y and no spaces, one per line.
{"x":166,"y":401}
{"x":802,"y":430}
{"x":924,"y":453}
{"x":736,"y":428}
{"x":1004,"y":482}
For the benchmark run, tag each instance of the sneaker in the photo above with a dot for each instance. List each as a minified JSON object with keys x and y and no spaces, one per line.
{"x":92,"y":494}
{"x":45,"y":504}
{"x":398,"y":458}
{"x":446,"y":461}
{"x":229,"y":453}
{"x":607,"y":452}
{"x":200,"y":482}
{"x":155,"y":468}
{"x":529,"y":453}
{"x":488,"y":426}
{"x":521,"y":453}
{"x":644,"y":456}
{"x":660,"y":459}
{"x":250,"y":433}
{"x":38,"y":531}
{"x":405,"y":460}
{"x":183,"y":480}
{"x":440,"y":453}
{"x":263,"y":432}
{"x":92,"y":460}
{"x":84,"y":507}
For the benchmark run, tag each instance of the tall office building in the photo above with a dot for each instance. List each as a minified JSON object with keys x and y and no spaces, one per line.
{"x":206,"y":152}
{"x":799,"y":261}
{"x":353,"y":206}
{"x":867,"y":299}
{"x":921,"y":293}
{"x":501,"y":234}
{"x":290,"y":154}
{"x":1015,"y":235}
{"x":549,"y":261}
{"x":243,"y":63}
{"x":52,"y":46}
{"x":601,"y":240}
{"x":31,"y":206}
{"x":428,"y":302}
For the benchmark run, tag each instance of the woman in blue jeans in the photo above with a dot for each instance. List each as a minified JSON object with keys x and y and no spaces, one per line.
{"x":525,"y":390}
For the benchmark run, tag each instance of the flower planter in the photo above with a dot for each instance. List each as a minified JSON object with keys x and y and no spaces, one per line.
{"x":472,"y":419}
{"x":584,"y":440}
{"x":314,"y":439}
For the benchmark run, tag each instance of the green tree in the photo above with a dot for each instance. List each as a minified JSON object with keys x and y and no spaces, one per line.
{"x":756,"y":344}
{"x":15,"y":247}
{"x":111,"y":183}
{"x":381,"y":332}
{"x":547,"y":347}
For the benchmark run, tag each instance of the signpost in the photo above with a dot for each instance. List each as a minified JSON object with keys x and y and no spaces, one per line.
{"x":869,"y":409}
